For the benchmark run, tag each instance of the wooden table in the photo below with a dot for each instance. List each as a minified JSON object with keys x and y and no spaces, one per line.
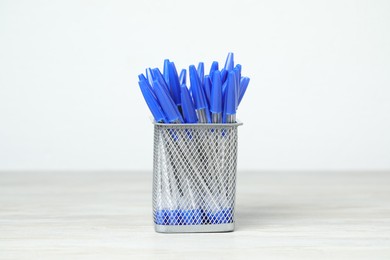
{"x":107,"y":215}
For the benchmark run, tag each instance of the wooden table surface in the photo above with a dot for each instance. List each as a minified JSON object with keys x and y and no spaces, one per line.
{"x":107,"y":215}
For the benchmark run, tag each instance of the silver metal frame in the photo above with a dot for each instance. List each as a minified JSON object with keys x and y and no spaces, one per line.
{"x":194,"y":228}
{"x":194,"y":177}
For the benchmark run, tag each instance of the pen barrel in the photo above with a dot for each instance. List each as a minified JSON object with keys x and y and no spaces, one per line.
{"x":201,"y":114}
{"x":216,"y":118}
{"x":230,"y":118}
{"x":194,"y":177}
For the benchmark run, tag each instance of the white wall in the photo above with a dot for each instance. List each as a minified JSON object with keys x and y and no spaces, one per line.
{"x":319,"y":96}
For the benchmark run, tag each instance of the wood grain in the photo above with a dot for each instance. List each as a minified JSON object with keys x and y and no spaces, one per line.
{"x":107,"y":215}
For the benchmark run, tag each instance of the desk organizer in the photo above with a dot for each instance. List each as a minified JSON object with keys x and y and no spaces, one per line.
{"x":194,"y":177}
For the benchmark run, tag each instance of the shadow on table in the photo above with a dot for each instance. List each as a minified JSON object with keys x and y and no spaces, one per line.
{"x":249,"y":218}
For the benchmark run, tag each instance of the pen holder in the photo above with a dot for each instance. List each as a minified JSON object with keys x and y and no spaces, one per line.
{"x":194,"y":177}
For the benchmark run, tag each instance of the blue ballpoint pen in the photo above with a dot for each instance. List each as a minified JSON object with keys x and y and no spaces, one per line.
{"x":214,"y":67}
{"x":224,"y":85}
{"x":200,"y":71}
{"x":145,"y":81}
{"x":199,"y":97}
{"x":229,"y":64}
{"x":224,"y":74}
{"x":239,"y":67}
{"x":174,"y":85}
{"x":230,"y":106}
{"x":187,"y":104}
{"x":237,"y":71}
{"x":182,"y":77}
{"x":149,"y":76}
{"x":243,"y":86}
{"x":207,"y":87}
{"x":142,"y":77}
{"x":166,"y":72}
{"x":170,"y":109}
{"x":160,"y":79}
{"x":216,"y":98}
{"x":152,"y":102}
{"x":157,"y":75}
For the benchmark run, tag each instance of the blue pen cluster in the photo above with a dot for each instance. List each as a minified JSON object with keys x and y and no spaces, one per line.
{"x":212,"y":98}
{"x":193,"y":217}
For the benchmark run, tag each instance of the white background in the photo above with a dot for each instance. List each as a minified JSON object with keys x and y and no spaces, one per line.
{"x":319,"y":96}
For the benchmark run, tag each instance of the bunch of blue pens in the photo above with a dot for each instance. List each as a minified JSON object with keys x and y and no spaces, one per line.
{"x":215,"y":97}
{"x":211,"y":99}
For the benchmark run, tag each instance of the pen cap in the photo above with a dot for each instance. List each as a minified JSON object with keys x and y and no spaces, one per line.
{"x":238,"y":69}
{"x":243,"y":86}
{"x":207,"y":87}
{"x":229,"y":64}
{"x":149,"y":76}
{"x":224,"y":74}
{"x":231,"y":94}
{"x":142,"y":78}
{"x":160,"y":78}
{"x":237,"y":77}
{"x":166,"y":71}
{"x":167,"y":104}
{"x":151,"y":101}
{"x":214,"y":67}
{"x":216,"y":93}
{"x":201,"y":73}
{"x":224,"y":86}
{"x":187,"y":105}
{"x":183,"y":76}
{"x":197,"y":90}
{"x":174,"y":85}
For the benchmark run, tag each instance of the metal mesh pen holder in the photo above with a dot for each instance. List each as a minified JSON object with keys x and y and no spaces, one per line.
{"x":194,"y":177}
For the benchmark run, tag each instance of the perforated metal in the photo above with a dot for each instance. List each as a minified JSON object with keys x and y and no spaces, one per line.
{"x":194,"y":176}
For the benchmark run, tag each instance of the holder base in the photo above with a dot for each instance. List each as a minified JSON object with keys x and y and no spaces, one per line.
{"x":194,"y":228}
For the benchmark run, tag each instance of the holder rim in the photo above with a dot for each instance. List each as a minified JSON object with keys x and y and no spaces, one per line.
{"x":238,"y":123}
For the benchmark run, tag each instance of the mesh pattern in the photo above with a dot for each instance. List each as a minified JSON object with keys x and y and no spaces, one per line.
{"x":194,"y":174}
